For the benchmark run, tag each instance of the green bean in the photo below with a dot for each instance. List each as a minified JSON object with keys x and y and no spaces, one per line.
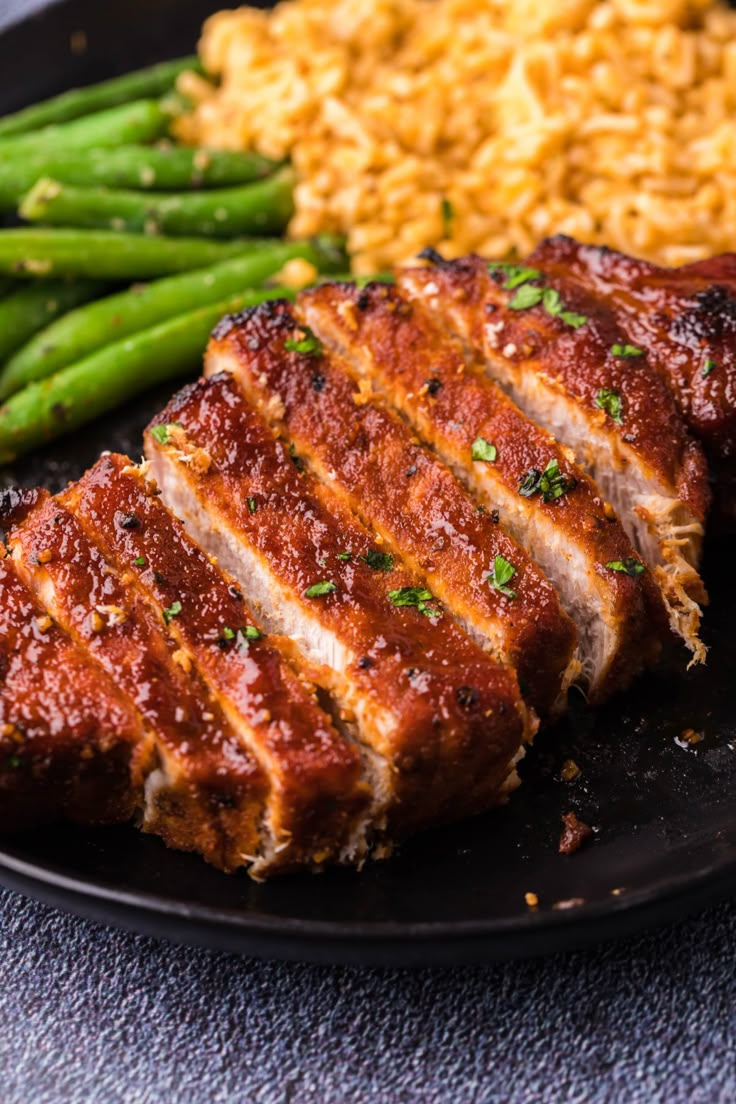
{"x":151,"y":168}
{"x":64,"y":402}
{"x":32,"y":306}
{"x":153,"y":81}
{"x":81,"y":332}
{"x":29,"y":252}
{"x":141,"y":121}
{"x":261,"y":208}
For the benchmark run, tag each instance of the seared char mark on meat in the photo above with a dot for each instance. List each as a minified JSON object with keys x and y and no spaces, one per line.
{"x":545,"y":500}
{"x":562,"y":357}
{"x":373,"y":462}
{"x":317,"y":802}
{"x":206,"y":793}
{"x":284,"y":538}
{"x":685,"y":318}
{"x":70,"y":743}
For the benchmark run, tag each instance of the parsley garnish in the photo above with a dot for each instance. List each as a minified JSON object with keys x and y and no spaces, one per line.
{"x":448,"y":214}
{"x":172,"y":611}
{"x":139,"y":561}
{"x":708,"y":367}
{"x":628,"y":566}
{"x":252,"y":505}
{"x":248,"y":632}
{"x":309,"y":344}
{"x":345,"y":556}
{"x":483,"y":450}
{"x":527,"y":296}
{"x":378,"y":561}
{"x":160,"y":433}
{"x":626,"y":351}
{"x":503,"y":572}
{"x":228,"y":633}
{"x":550,"y":483}
{"x":516,"y":275}
{"x":610,"y":401}
{"x":317,"y":590}
{"x":414,"y":596}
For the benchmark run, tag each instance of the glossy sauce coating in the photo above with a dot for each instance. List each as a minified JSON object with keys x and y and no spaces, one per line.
{"x":396,"y":344}
{"x":578,"y":362}
{"x":213,"y":796}
{"x":69,"y":741}
{"x":456,"y":718}
{"x":685,"y":318}
{"x":370,"y":457}
{"x":317,"y":793}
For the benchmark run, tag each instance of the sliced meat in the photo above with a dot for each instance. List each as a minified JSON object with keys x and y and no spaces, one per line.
{"x":544,"y":499}
{"x":70,"y":744}
{"x":685,"y":318}
{"x":318,"y":804}
{"x":563,"y":359}
{"x":206,"y":793}
{"x":440,"y":721}
{"x":373,"y":462}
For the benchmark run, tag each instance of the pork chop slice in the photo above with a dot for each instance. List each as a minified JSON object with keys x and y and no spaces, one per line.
{"x":440,"y":722}
{"x":545,"y":500}
{"x":373,"y":462}
{"x":318,"y":804}
{"x":565,"y":362}
{"x":207,"y":793}
{"x":71,"y":745}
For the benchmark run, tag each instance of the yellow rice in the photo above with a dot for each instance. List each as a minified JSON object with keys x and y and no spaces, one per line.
{"x":486,"y":124}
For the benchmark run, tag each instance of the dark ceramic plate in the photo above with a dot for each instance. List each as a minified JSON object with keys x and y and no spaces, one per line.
{"x":665,"y":826}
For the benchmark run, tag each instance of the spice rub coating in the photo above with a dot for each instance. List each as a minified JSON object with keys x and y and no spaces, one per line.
{"x":543,"y":497}
{"x":206,"y":793}
{"x":317,"y":801}
{"x":71,"y":745}
{"x":372,"y":461}
{"x":441,"y":721}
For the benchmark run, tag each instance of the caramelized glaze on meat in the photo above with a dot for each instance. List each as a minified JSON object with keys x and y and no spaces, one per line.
{"x":370,"y":458}
{"x":442,"y":722}
{"x":574,"y":537}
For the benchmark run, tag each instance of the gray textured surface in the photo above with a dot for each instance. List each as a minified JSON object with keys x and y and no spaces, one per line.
{"x":91,"y":1014}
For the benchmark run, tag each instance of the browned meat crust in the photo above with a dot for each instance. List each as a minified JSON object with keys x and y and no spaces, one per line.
{"x":566,"y":362}
{"x":443,"y":719}
{"x":370,"y":458}
{"x":573,"y":535}
{"x":317,"y":801}
{"x":207,"y":794}
{"x":685,"y":318}
{"x":70,"y":744}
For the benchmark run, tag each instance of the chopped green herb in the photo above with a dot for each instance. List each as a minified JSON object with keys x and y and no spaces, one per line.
{"x":310,"y":344}
{"x":626,"y":351}
{"x":503,"y":572}
{"x":248,"y":632}
{"x":378,"y":561}
{"x":160,"y":433}
{"x":571,"y":318}
{"x":552,"y":302}
{"x":628,"y":566}
{"x":228,"y":633}
{"x":172,"y":611}
{"x":611,"y":402}
{"x":415,"y":596}
{"x":550,"y":483}
{"x":252,"y":505}
{"x":317,"y":590}
{"x":139,"y":561}
{"x":708,"y":367}
{"x":516,"y":275}
{"x":448,"y":214}
{"x":346,"y":557}
{"x":527,"y":296}
{"x":483,"y":450}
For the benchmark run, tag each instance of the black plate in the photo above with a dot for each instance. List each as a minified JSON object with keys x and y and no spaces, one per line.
{"x":665,"y":837}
